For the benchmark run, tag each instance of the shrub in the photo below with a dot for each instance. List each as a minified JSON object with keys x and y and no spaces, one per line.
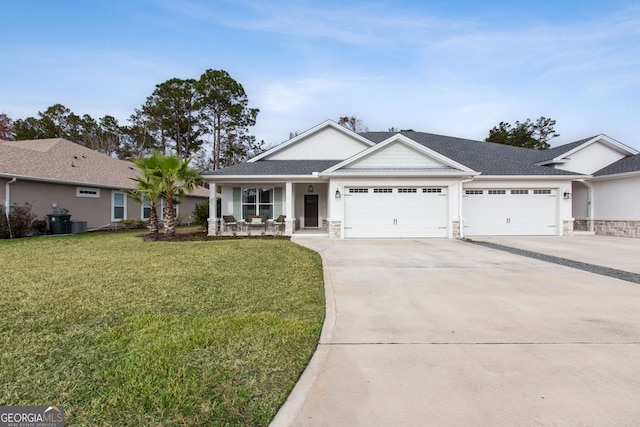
{"x":131,"y":224}
{"x":20,"y":221}
{"x":201,"y":215}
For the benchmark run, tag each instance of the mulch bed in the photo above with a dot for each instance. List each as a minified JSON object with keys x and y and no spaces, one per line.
{"x":201,"y":236}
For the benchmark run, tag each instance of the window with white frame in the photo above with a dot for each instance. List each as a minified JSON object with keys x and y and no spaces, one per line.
{"x":146,"y":208}
{"x":257,"y":201}
{"x":93,"y":193}
{"x":118,"y":206}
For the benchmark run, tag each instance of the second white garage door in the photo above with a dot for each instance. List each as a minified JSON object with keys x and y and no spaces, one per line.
{"x":514,"y":212}
{"x":395,"y":212}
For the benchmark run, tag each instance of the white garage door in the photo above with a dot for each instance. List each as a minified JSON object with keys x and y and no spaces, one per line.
{"x":395,"y":212}
{"x":510,"y":212}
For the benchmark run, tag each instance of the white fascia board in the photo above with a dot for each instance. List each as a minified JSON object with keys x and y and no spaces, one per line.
{"x":408,"y":141}
{"x":615,"y":176}
{"x":610,"y":142}
{"x":65,"y":182}
{"x":398,"y":173}
{"x":326,"y":123}
{"x":532,"y":177}
{"x":265,"y":178}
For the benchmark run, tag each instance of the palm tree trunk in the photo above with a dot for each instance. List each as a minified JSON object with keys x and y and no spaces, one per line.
{"x":169,"y":218}
{"x":152,"y":226}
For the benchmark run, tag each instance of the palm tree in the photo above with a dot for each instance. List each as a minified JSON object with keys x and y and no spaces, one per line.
{"x":148,"y":189}
{"x":175,"y":178}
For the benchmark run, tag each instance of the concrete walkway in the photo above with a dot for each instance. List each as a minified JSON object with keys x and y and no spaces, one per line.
{"x":445,"y":333}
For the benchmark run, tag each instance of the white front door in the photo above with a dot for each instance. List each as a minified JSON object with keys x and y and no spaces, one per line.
{"x":510,"y":212}
{"x":395,"y":212}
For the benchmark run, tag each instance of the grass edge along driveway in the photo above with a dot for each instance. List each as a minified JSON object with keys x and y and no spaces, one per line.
{"x":124,"y":332}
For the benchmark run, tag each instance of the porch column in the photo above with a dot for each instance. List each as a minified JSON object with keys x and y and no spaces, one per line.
{"x":288,"y":209}
{"x":213,"y":205}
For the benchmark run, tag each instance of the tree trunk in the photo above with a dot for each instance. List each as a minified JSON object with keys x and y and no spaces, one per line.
{"x":169,"y":218}
{"x":152,"y":226}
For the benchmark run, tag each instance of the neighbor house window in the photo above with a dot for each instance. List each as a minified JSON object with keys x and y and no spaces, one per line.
{"x":257,"y":201}
{"x":93,"y":193}
{"x":118,"y":206}
{"x":146,"y":208}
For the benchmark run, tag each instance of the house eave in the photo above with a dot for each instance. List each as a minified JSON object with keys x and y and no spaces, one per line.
{"x":615,"y":176}
{"x":66,"y":182}
{"x":254,"y":178}
{"x":397,"y":173}
{"x":532,"y":177}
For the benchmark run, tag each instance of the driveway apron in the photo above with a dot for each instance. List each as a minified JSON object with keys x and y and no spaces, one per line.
{"x":443,"y":332}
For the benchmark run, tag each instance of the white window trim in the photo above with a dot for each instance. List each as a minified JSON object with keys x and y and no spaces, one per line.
{"x":113,"y":206}
{"x":257,"y":204}
{"x":92,"y":193}
{"x":145,"y":204}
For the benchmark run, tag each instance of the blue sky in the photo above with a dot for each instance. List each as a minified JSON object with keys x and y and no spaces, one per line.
{"x":451,"y":67}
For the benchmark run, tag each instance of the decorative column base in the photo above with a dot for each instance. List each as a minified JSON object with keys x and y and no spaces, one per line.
{"x":212,"y":228}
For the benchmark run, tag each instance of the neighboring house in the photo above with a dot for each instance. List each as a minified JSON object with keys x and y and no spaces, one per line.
{"x":414,"y":184}
{"x":59,"y":174}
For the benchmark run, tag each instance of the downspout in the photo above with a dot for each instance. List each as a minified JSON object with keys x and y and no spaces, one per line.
{"x":7,"y":209}
{"x":460,"y":213}
{"x":590,"y":203}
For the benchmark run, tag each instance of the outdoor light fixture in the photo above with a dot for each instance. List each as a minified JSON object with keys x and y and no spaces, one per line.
{"x":310,"y":189}
{"x":338,"y":195}
{"x":566,"y":194}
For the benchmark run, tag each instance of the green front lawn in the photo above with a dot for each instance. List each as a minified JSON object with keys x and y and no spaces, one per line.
{"x":123,"y":332}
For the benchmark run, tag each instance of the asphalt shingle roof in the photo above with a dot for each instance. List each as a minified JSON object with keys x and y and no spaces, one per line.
{"x":57,"y":159}
{"x":486,"y":157}
{"x":277,"y":167}
{"x":625,"y":165}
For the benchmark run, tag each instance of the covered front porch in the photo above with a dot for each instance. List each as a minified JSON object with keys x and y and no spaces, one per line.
{"x":268,"y":208}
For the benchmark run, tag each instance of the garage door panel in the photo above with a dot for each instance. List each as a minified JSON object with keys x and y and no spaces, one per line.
{"x":396,"y":213}
{"x":510,"y":212}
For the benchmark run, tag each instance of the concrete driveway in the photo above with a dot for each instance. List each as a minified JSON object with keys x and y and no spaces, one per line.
{"x":447,"y":333}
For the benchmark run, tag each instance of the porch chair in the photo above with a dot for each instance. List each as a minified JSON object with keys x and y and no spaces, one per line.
{"x":229,"y":223}
{"x":278,"y":223}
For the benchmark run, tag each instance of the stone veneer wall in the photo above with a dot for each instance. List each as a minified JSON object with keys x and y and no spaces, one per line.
{"x":567,"y":228}
{"x":581,"y":225}
{"x":334,"y":229}
{"x":609,"y":227}
{"x":618,"y":228}
{"x":455,"y":229}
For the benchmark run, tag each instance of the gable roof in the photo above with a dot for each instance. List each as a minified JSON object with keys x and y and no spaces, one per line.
{"x":561,"y":153}
{"x":629,"y":164}
{"x":487,"y":158}
{"x":426,"y":158}
{"x":328,"y":124}
{"x":63,"y":161}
